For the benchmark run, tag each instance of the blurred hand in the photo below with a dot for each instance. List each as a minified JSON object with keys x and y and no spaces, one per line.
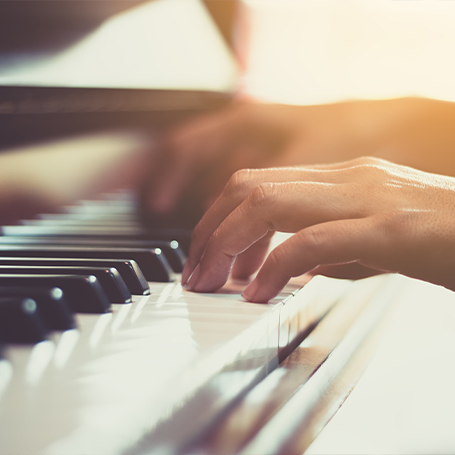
{"x":351,"y":219}
{"x":199,"y":157}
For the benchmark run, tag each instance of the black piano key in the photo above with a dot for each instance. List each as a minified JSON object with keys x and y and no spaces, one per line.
{"x":129,"y":270}
{"x":173,"y":253}
{"x":136,"y":232}
{"x":20,"y":321}
{"x":84,"y":293}
{"x":153,"y":264}
{"x":109,"y":278}
{"x":52,"y":304}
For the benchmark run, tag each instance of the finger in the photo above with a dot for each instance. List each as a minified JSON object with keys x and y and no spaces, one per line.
{"x":332,"y":243}
{"x":235,"y":192}
{"x":238,"y":189}
{"x":284,"y":207}
{"x":249,"y":261}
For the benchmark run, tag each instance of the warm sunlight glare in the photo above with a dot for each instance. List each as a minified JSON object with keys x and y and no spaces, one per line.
{"x":312,"y":51}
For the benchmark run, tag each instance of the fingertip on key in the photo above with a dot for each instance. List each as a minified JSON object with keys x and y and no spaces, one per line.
{"x":251,"y":291}
{"x":186,"y":273}
{"x":191,"y":283}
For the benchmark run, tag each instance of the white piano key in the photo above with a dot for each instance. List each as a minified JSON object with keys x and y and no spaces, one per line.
{"x":64,"y":347}
{"x":40,"y":357}
{"x":6,"y":373}
{"x":139,"y":378}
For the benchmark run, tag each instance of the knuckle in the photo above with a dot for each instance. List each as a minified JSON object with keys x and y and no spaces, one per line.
{"x":369,"y":161}
{"x":313,"y":242}
{"x":239,"y":183}
{"x":394,"y":230}
{"x":313,"y":239}
{"x":197,"y":231}
{"x":397,"y":223}
{"x":212,"y":243}
{"x":214,"y":239}
{"x":277,"y":259}
{"x":370,"y":176}
{"x":367,"y":164}
{"x":359,"y":161}
{"x":264,"y":194}
{"x":220,"y":248}
{"x":283,"y":261}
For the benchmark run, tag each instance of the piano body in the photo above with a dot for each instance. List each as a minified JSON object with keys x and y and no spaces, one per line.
{"x":166,"y":371}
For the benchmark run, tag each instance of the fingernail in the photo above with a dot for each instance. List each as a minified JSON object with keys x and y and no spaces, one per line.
{"x":193,"y":279}
{"x":186,"y":272}
{"x":251,"y":290}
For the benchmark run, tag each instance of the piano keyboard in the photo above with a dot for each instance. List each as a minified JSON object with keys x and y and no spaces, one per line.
{"x":134,"y":364}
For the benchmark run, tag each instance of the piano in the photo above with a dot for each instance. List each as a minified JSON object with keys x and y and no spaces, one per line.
{"x":162,"y":371}
{"x":110,"y":355}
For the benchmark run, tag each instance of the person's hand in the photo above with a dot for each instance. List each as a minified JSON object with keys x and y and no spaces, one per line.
{"x":351,"y":219}
{"x":198,"y":157}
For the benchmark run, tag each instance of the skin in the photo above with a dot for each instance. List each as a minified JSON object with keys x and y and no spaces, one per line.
{"x":355,"y":218}
{"x":199,"y":156}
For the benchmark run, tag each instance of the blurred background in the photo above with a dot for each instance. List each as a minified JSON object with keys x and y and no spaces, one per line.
{"x":308,"y":52}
